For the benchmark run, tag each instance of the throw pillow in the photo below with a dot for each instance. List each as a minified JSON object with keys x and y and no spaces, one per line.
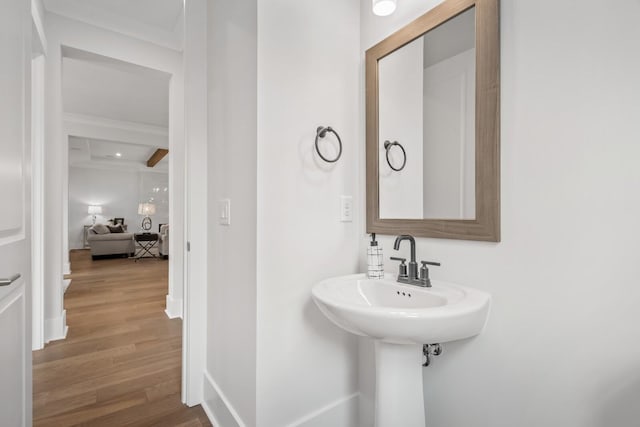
{"x":100,"y":229}
{"x":115,"y":228}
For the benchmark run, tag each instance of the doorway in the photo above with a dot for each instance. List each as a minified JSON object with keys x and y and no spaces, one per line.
{"x":71,"y":38}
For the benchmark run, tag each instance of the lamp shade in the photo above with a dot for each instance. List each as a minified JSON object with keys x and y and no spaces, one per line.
{"x":94,"y":210}
{"x":384,"y":7}
{"x":146,"y":209}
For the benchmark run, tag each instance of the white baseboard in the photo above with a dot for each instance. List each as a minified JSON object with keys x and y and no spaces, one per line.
{"x":217,"y":407}
{"x":65,"y":284}
{"x":56,"y":328}
{"x":66,"y":268}
{"x":173,"y":307}
{"x":342,"y":412}
{"x":209,"y":413}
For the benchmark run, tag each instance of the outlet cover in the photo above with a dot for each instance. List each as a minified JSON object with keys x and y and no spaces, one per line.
{"x":346,"y":208}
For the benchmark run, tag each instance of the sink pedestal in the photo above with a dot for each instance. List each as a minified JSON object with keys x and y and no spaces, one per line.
{"x":399,"y":392}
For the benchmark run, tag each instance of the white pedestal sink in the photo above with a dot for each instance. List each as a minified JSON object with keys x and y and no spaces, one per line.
{"x":401,"y":318}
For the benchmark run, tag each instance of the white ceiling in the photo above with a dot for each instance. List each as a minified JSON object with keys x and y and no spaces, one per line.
{"x":156,"y":21}
{"x":103,"y":87}
{"x":159,"y":13}
{"x":88,"y":152}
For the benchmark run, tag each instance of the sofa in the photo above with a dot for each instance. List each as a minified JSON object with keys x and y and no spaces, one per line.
{"x":108,"y":240}
{"x":163,"y":241}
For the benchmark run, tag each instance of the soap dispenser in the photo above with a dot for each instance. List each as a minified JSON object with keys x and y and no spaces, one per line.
{"x":375,"y":267}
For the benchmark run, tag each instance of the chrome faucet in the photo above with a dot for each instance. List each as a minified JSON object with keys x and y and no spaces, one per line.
{"x":413,"y":265}
{"x":411,"y":276}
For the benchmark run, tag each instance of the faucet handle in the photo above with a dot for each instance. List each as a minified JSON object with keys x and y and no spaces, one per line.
{"x":424,"y":263}
{"x":424,"y":273}
{"x":402,"y":268}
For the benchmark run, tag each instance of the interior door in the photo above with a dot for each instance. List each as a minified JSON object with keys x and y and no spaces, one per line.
{"x":15,"y":264}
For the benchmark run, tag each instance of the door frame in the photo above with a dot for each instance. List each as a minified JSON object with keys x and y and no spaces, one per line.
{"x":38,"y":78}
{"x":194,"y":334}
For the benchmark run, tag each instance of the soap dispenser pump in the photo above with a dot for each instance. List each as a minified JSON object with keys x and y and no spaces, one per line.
{"x":375,"y":267}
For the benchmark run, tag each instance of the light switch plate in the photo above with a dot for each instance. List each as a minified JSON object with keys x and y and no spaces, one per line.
{"x":224,"y":211}
{"x":346,"y":208}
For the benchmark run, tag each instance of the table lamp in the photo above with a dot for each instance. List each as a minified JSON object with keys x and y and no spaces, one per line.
{"x":146,"y":209}
{"x":94,"y":210}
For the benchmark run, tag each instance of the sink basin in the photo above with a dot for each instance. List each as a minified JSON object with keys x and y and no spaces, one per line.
{"x":402,"y":314}
{"x":400,"y":318}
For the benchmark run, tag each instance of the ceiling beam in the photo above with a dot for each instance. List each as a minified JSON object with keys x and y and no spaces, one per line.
{"x":157,"y":156}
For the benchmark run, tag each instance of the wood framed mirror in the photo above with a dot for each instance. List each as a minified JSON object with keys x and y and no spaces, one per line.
{"x":433,"y":125}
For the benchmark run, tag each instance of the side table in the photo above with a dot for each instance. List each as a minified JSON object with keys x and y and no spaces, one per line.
{"x":147,"y":241}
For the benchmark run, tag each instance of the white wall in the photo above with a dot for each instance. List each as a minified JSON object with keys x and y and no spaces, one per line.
{"x":276,"y":72}
{"x":119,"y":193}
{"x":153,"y":187}
{"x":401,"y":115}
{"x":231,"y":293}
{"x":308,"y":76}
{"x":560,"y":347}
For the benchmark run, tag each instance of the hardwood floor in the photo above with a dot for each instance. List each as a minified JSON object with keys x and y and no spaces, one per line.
{"x":121,"y":362}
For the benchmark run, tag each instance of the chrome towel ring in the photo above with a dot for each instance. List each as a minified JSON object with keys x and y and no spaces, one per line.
{"x":387,"y":146}
{"x":321,"y":132}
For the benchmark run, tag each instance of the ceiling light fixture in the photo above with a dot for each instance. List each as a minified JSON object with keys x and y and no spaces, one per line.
{"x":118,"y":154}
{"x":384,"y":7}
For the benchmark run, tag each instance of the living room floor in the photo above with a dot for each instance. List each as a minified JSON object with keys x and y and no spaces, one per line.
{"x":120,"y":364}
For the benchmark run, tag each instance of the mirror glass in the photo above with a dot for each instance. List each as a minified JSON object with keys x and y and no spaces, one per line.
{"x":426,"y":123}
